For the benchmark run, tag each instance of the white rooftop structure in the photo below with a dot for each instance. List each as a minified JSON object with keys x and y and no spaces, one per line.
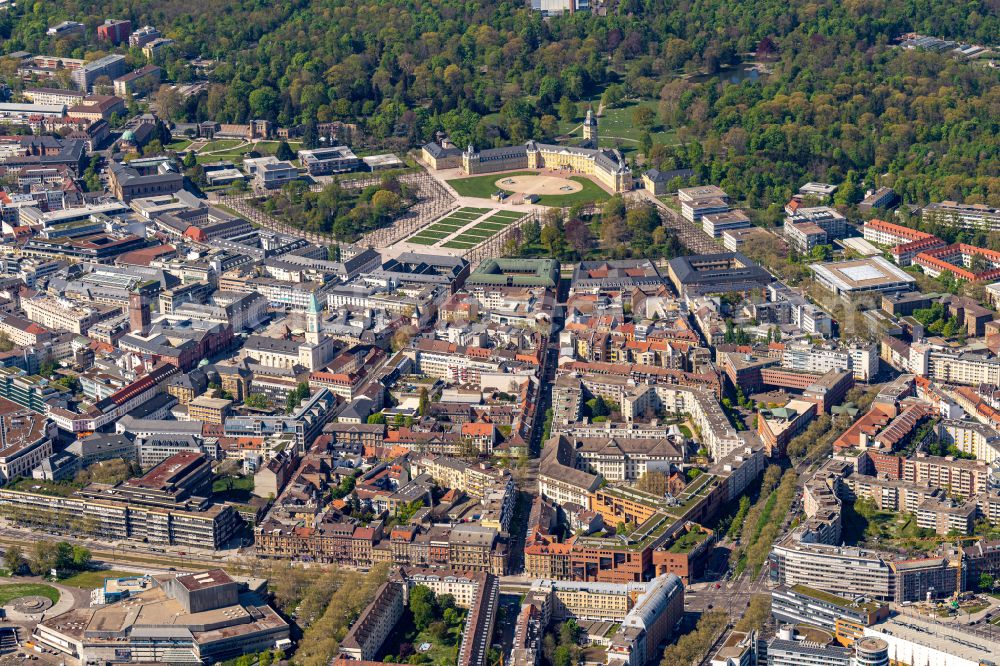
{"x":818,"y":189}
{"x":861,"y":246}
{"x":872,"y":274}
{"x":914,"y":640}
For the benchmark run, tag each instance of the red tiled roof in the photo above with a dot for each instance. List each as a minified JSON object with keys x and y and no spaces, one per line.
{"x":144,"y":256}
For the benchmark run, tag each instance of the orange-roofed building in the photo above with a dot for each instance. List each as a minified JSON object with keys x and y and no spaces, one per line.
{"x":863,"y":430}
{"x":483,"y":435}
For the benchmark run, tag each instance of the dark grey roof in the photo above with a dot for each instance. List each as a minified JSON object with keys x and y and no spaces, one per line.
{"x":154,"y":404}
{"x":503,"y":152}
{"x":658,"y":176}
{"x":264,"y":343}
{"x":360,"y":408}
{"x":195,"y":380}
{"x":557,"y":461}
{"x":437,"y":151}
{"x":746,"y":272}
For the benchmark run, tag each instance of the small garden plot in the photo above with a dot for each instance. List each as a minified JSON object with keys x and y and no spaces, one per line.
{"x":472,"y":234}
{"x":221,"y":144}
{"x":471,"y":241}
{"x":489,"y":226}
{"x":502,"y":221}
{"x":434,"y":234}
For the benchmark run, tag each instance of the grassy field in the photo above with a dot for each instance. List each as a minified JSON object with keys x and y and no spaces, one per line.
{"x":615,"y":128}
{"x":482,"y":187}
{"x":235,"y":158}
{"x":590,"y":192}
{"x":489,"y":226}
{"x":221,"y":144}
{"x":224,"y":483}
{"x":88,"y":580}
{"x":428,"y":233}
{"x":271,"y":147}
{"x":233,"y":488}
{"x":180,"y":144}
{"x":11,"y":591}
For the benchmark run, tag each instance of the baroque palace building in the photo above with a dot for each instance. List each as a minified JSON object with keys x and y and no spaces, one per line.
{"x":608,"y":166}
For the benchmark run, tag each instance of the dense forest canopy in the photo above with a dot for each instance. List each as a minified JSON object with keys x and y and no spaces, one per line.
{"x":841,"y":104}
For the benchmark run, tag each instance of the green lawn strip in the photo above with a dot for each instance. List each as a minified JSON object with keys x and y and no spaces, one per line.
{"x":11,"y":591}
{"x":271,"y":147}
{"x":508,"y":214}
{"x":764,"y":516}
{"x":454,"y":220}
{"x":222,"y":144}
{"x":483,"y":187}
{"x":464,"y":216}
{"x":445,"y":227}
{"x":236,"y":158}
{"x":459,"y":245}
{"x":480,"y":231}
{"x":470,"y":209}
{"x":493,"y":225}
{"x":470,"y":236}
{"x":422,"y":241}
{"x":434,"y":234}
{"x":502,"y":220}
{"x":88,"y":580}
